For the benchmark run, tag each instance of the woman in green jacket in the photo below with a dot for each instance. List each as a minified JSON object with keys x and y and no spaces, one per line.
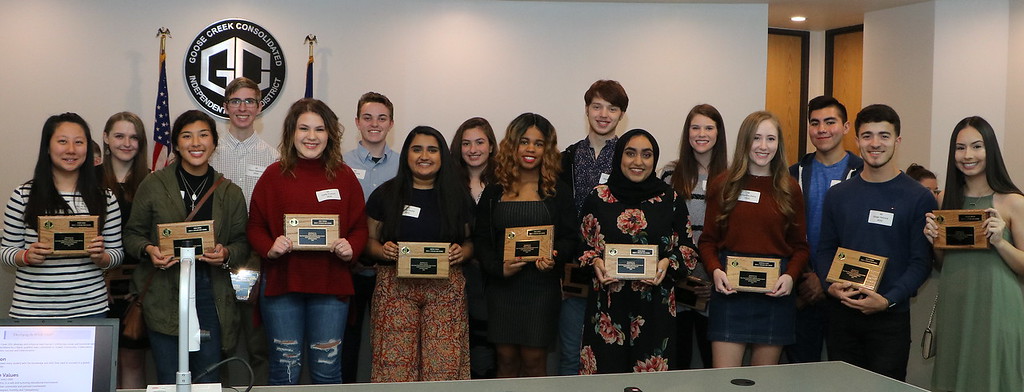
{"x":167,"y":196}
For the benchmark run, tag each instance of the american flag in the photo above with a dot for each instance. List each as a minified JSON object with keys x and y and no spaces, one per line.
{"x":162,"y":122}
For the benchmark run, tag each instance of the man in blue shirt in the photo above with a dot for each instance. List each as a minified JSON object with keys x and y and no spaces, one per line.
{"x":585,"y":164}
{"x":373,"y":163}
{"x":881,"y":212}
{"x":817,"y":172}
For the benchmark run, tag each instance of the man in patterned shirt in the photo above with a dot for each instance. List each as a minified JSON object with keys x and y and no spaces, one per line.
{"x":242,"y":156}
{"x":585,"y":164}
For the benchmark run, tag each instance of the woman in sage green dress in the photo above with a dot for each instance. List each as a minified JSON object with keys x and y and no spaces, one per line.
{"x":980,"y":311}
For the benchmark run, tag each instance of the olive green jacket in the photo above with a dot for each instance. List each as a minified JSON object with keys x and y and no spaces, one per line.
{"x":158,"y":200}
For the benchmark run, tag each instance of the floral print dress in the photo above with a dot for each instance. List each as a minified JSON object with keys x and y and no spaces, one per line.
{"x":629,"y":326}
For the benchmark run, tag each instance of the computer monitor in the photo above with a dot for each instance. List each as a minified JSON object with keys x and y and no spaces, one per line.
{"x":58,"y":355}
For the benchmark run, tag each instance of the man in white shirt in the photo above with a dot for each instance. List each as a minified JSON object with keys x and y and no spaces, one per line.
{"x":242,"y":156}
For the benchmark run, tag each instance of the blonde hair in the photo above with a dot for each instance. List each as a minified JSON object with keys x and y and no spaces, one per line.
{"x":738,"y":170}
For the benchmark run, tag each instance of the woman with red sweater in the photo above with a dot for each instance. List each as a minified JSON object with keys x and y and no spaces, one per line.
{"x":754,"y":209}
{"x":305,"y":293}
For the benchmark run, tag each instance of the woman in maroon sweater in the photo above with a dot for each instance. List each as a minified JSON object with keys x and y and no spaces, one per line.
{"x":305,"y":295}
{"x":754,"y":209}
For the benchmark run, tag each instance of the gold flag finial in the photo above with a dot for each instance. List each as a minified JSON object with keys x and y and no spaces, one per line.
{"x":310,"y":40}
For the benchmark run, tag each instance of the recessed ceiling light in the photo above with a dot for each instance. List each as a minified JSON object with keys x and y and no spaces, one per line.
{"x":798,"y":18}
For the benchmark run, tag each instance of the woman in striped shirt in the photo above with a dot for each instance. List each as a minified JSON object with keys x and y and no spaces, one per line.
{"x":49,"y":286}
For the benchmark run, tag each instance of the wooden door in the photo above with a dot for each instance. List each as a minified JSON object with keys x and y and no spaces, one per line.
{"x":786,"y":87}
{"x":844,"y":51}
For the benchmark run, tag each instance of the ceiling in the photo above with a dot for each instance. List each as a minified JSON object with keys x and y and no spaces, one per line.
{"x":821,"y":14}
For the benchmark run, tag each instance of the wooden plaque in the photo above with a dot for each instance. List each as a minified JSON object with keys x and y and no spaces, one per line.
{"x":631,"y":261}
{"x":574,"y":281}
{"x":961,"y":229}
{"x":753,"y":274}
{"x":861,"y":269}
{"x":687,"y":295}
{"x":528,"y":243}
{"x":427,"y":260}
{"x":311,"y":231}
{"x":196,"y":234}
{"x":68,"y":235}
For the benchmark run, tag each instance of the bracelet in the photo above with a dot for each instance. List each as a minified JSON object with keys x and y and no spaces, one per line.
{"x":225,"y":266}
{"x":24,"y":258}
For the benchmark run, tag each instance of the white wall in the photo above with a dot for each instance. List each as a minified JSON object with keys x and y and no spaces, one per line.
{"x":898,"y":55}
{"x":1014,"y":132}
{"x":970,"y":74}
{"x":439,"y":61}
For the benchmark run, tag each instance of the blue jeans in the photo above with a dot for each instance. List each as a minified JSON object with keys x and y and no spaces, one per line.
{"x":165,"y":347}
{"x":292,"y":320}
{"x":570,"y":332}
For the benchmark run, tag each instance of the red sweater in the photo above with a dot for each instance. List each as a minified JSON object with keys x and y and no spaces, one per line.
{"x":315,"y":272}
{"x":755,"y":228}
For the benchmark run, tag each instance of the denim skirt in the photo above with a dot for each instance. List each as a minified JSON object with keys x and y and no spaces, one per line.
{"x":745,"y":317}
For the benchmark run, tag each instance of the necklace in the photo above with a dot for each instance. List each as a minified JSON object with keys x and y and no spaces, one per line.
{"x":973,"y":201}
{"x":193,"y":193}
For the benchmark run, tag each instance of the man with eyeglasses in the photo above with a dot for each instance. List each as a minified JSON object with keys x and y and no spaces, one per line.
{"x":242,"y":156}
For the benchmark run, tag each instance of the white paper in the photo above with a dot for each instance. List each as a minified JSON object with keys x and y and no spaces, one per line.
{"x":45,"y":360}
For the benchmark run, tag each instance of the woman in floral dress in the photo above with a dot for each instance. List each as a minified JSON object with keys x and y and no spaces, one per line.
{"x":630,"y":325}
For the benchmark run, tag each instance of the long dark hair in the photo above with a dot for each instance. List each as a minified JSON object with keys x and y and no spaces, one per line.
{"x":44,"y":198}
{"x":995,"y":170}
{"x":452,"y":194}
{"x":487,"y":176}
{"x":686,"y":171}
{"x":138,"y":169}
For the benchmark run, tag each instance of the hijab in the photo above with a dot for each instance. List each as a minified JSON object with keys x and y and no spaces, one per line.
{"x":625,"y":189}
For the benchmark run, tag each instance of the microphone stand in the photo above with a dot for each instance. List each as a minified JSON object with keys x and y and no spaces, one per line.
{"x":186,"y":295}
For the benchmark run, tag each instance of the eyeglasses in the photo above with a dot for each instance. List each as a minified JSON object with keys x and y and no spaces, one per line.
{"x":236,"y":102}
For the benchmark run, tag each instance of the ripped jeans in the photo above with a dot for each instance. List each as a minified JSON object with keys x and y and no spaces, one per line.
{"x":310,"y":325}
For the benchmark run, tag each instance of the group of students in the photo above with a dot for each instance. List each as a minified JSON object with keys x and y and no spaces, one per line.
{"x":602,"y":190}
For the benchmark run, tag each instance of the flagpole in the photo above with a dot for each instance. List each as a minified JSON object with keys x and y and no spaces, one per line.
{"x":310,"y":40}
{"x":162,"y":120}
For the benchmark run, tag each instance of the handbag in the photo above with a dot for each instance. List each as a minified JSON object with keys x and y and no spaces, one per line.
{"x":134,"y":323}
{"x":928,"y":340}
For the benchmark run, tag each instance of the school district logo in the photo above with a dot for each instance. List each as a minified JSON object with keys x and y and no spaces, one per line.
{"x":226,"y":50}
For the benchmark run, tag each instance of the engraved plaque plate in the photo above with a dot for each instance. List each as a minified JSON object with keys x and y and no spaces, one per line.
{"x":197,"y":234}
{"x":687,"y":295}
{"x":528,"y":243}
{"x":423,"y":260}
{"x":68,"y":235}
{"x":862,"y":269}
{"x":311,"y":231}
{"x":753,"y":274}
{"x":574,"y":281}
{"x":961,"y":229}
{"x":631,"y":261}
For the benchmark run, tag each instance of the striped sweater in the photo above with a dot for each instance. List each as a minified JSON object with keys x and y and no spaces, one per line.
{"x":60,"y":287}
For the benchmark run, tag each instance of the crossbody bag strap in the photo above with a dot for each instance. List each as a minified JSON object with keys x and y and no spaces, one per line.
{"x":206,"y":196}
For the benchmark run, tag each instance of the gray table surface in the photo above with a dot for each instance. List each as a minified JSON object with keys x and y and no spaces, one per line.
{"x":830,"y":376}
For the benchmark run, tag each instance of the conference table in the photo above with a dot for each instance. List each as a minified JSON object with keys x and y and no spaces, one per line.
{"x":821,"y":376}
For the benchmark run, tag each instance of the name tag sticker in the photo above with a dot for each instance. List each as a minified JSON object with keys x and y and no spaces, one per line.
{"x":411,"y":211}
{"x":603,"y":179}
{"x":328,"y":194}
{"x":750,"y":196}
{"x":254,"y":170}
{"x":880,"y":217}
{"x":360,"y":173}
{"x":833,"y":183}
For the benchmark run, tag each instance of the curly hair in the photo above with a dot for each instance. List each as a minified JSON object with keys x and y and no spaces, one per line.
{"x":331,"y":157}
{"x":737,"y":175}
{"x":507,"y":166}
